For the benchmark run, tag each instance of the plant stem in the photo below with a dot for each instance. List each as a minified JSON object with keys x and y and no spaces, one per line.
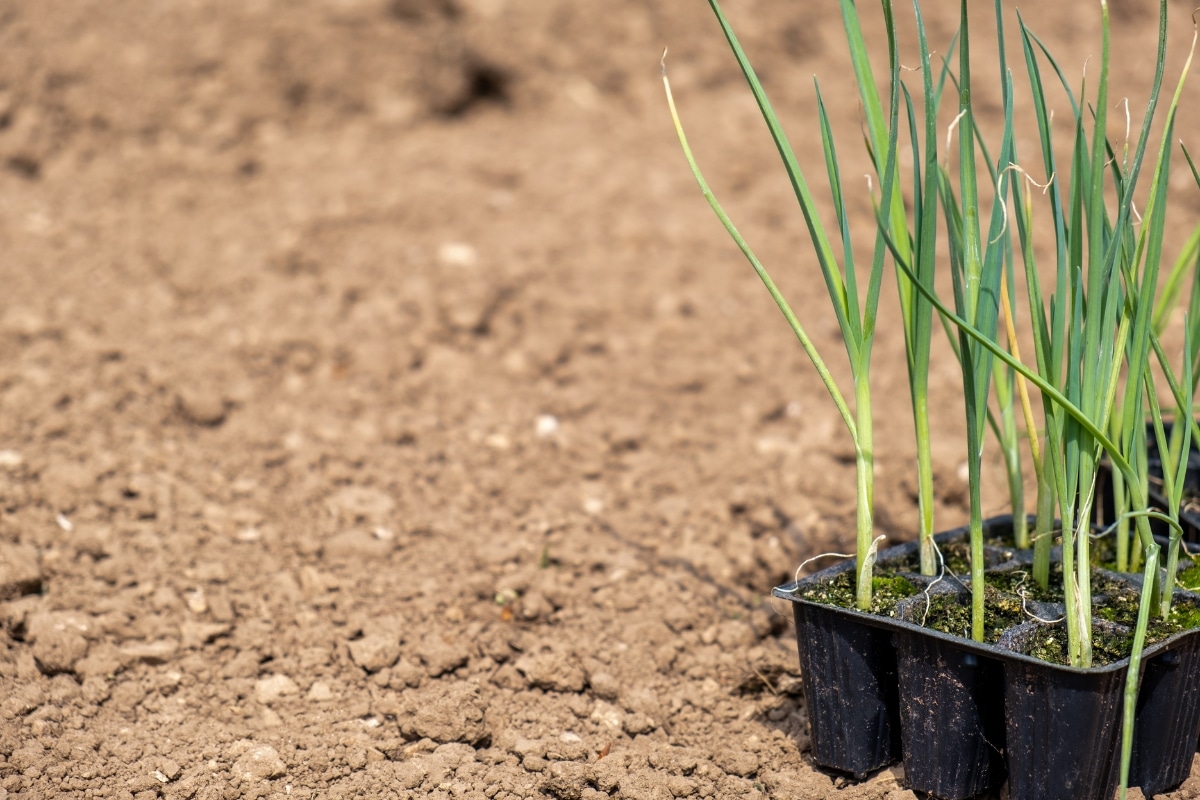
{"x":928,"y":550}
{"x":1083,"y":589}
{"x":1010,"y":449}
{"x":1020,"y":526}
{"x":1134,"y":671}
{"x":976,"y":288}
{"x":864,"y":455}
{"x":1043,"y":535}
{"x":975,"y":528}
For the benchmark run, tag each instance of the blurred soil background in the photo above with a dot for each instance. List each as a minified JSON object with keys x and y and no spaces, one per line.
{"x":384,"y":414}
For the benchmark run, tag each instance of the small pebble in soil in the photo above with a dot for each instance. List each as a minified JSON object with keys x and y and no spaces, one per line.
{"x":170,"y":769}
{"x":441,"y":654}
{"x":406,"y":673}
{"x":604,"y":685}
{"x":156,"y":652}
{"x":65,"y":482}
{"x":103,"y":661}
{"x":546,"y":426}
{"x":635,"y":724}
{"x":457,"y":254}
{"x":375,"y":651}
{"x":356,"y":544}
{"x":195,"y":601}
{"x":737,"y":762}
{"x":193,"y":634}
{"x":552,"y":672}
{"x":535,"y":606}
{"x":58,"y":640}
{"x":566,"y":779}
{"x":274,"y":687}
{"x":445,"y":713}
{"x":679,"y":786}
{"x":608,"y":715}
{"x":735,"y":635}
{"x":319,"y":692}
{"x":569,"y":747}
{"x":261,"y":762}
{"x":269,"y":719}
{"x":201,"y":406}
{"x":408,"y":774}
{"x":361,"y":503}
{"x":20,"y":570}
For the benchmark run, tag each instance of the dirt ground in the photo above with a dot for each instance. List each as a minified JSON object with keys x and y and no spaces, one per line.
{"x":384,"y":414}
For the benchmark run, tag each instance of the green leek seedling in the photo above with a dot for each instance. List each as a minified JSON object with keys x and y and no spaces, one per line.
{"x":1093,"y":331}
{"x":856,"y":312}
{"x":915,"y":246}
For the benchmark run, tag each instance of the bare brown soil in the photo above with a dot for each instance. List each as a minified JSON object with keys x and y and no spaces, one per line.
{"x":383,"y":413}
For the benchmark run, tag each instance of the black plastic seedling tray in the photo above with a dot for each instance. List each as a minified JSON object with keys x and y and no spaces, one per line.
{"x":965,"y":716}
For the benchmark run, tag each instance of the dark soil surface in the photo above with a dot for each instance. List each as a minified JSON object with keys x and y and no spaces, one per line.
{"x":384,"y":414}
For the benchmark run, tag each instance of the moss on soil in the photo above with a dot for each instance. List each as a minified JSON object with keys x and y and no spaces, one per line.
{"x":1120,"y":605}
{"x":1190,"y":578}
{"x":1050,"y":645}
{"x":955,"y":555}
{"x":951,"y":613}
{"x":887,"y":592}
{"x":1020,"y":582}
{"x":1004,"y":608}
